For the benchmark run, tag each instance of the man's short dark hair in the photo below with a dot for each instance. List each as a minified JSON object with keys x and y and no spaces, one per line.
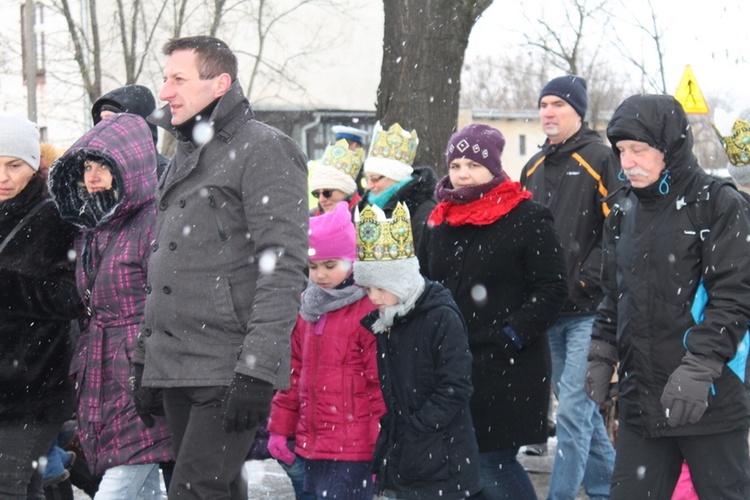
{"x":214,"y":56}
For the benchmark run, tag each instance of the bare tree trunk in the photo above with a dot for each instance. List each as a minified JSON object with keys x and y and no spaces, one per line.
{"x":218,"y":14}
{"x":129,"y":24}
{"x":423,"y":51}
{"x":127,"y":40}
{"x":261,"y":45}
{"x":91,"y":71}
{"x":180,"y":8}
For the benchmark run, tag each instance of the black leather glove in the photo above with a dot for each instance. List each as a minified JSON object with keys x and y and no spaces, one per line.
{"x":148,"y":401}
{"x":598,"y":384}
{"x":246,"y":402}
{"x":685,"y":397}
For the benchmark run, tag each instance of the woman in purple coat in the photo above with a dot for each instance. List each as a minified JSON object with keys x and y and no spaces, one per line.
{"x":105,"y":184}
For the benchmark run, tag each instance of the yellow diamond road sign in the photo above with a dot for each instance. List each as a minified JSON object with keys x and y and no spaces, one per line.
{"x":690,"y":95}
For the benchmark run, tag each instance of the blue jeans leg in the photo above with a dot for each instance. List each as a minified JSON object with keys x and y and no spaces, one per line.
{"x":503,"y":477}
{"x":126,"y":482}
{"x":296,"y":473}
{"x":584,"y":452}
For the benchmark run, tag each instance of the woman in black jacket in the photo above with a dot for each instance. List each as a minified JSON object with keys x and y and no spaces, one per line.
{"x":499,"y":255}
{"x":38,"y":300}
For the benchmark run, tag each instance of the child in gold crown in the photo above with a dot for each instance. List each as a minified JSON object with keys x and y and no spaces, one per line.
{"x":332,"y":409}
{"x":426,"y":447}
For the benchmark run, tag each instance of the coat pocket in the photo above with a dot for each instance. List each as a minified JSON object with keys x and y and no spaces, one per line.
{"x":424,"y":456}
{"x":122,"y":367}
{"x":221,"y":291}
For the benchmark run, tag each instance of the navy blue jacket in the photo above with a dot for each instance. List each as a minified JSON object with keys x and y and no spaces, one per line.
{"x":426,"y":448}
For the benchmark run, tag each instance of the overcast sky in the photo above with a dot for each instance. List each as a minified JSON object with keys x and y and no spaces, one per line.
{"x":713,"y":38}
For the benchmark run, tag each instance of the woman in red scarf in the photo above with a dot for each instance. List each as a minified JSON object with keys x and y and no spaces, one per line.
{"x":497,"y":251}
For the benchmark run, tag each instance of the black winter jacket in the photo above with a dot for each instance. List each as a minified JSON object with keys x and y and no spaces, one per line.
{"x":426,"y":448}
{"x":38,"y":300}
{"x":656,"y":271}
{"x":572,"y":179}
{"x":519,"y":264}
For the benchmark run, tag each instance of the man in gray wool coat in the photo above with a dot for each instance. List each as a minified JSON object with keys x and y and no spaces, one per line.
{"x":225,"y":273}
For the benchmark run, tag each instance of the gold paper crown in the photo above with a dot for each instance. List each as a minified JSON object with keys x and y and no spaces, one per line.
{"x":394,"y":143}
{"x":382,"y":239}
{"x":737,"y":145}
{"x":340,"y":157}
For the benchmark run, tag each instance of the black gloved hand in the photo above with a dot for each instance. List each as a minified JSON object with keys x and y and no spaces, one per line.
{"x":599,"y":371}
{"x":685,"y":397}
{"x":246,"y":402}
{"x":148,"y":401}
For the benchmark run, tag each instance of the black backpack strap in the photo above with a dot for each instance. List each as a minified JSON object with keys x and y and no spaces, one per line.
{"x":23,"y":222}
{"x":698,"y":206}
{"x":612,"y":234}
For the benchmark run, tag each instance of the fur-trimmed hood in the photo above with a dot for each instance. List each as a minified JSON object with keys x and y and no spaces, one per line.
{"x":122,"y":141}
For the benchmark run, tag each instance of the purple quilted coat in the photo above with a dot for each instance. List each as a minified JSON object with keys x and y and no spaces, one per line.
{"x":112,"y":248}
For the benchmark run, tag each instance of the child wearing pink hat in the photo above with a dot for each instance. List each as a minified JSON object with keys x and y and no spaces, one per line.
{"x":332,"y":409}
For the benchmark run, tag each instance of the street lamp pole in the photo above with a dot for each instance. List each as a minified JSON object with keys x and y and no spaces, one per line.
{"x":30,"y":62}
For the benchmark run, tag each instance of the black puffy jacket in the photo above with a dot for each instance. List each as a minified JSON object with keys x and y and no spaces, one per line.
{"x":661,"y":258}
{"x":426,"y":448}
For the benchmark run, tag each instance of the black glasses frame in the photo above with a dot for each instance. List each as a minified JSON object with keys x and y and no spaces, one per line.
{"x":326,"y":193}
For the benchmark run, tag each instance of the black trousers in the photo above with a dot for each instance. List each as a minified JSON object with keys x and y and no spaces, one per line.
{"x":209,"y":461}
{"x":649,"y":467}
{"x":21,"y":445}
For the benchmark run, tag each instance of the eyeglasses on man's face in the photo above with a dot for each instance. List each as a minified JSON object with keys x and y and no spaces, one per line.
{"x":326,"y":193}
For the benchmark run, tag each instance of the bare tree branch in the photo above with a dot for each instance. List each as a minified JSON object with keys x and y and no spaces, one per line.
{"x":83,"y":49}
{"x":650,"y":81}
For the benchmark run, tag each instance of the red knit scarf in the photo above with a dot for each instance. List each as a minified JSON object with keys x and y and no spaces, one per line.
{"x":483,"y":211}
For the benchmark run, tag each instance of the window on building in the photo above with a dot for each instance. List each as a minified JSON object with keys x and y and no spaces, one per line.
{"x":522,"y":145}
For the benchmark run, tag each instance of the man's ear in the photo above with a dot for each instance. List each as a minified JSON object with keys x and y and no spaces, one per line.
{"x":223,"y":82}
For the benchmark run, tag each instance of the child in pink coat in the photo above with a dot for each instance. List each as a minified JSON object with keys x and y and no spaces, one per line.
{"x":332,"y":409}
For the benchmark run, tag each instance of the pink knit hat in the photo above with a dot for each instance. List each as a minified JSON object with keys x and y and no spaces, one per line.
{"x":332,"y":235}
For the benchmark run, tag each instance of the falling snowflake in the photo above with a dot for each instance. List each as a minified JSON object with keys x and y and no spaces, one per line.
{"x":202,"y":133}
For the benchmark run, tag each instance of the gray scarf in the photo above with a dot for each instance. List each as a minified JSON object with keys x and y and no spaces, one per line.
{"x":405,"y":304}
{"x":316,"y":300}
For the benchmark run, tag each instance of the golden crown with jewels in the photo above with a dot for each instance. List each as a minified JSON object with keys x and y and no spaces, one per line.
{"x":394,"y":143}
{"x":382,"y":239}
{"x":737,"y":145}
{"x":340,"y":157}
